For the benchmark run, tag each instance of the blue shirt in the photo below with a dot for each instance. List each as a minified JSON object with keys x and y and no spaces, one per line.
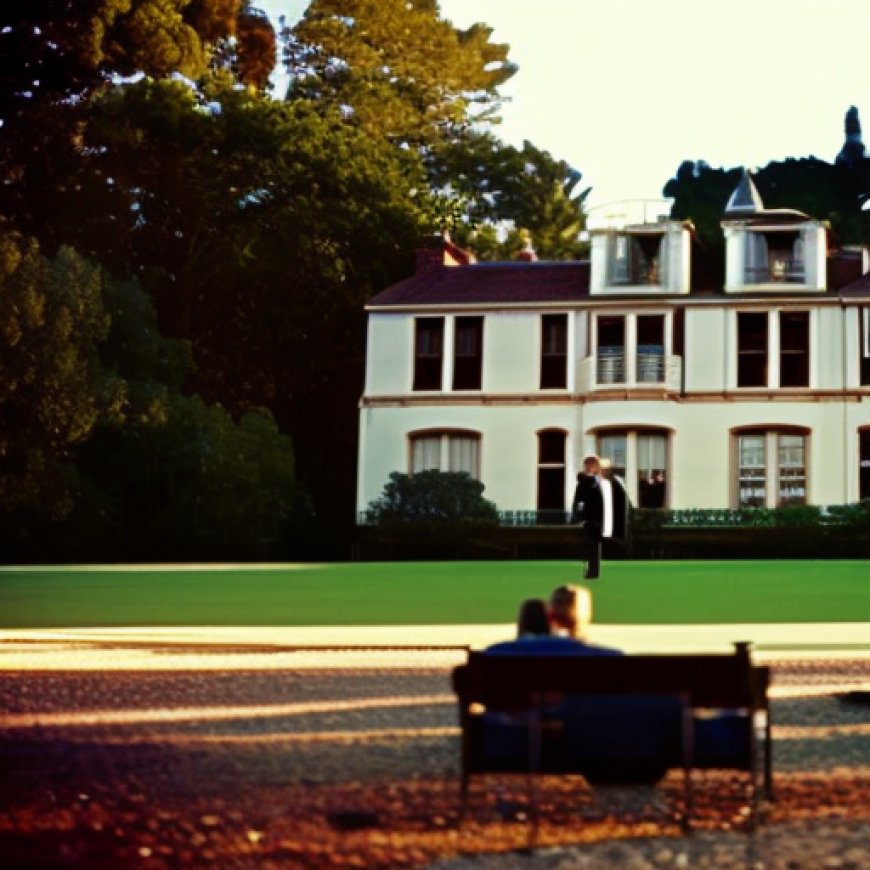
{"x":549,"y":645}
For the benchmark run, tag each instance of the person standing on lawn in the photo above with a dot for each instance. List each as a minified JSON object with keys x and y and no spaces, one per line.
{"x":588,"y":509}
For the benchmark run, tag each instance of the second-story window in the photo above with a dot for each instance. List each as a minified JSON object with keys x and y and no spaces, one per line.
{"x":554,"y":351}
{"x":468,"y":353}
{"x":794,"y":348}
{"x":650,"y":348}
{"x":610,"y":363}
{"x":428,"y":352}
{"x":752,"y":349}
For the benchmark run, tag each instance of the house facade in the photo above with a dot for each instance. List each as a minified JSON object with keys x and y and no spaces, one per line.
{"x":705,"y":393}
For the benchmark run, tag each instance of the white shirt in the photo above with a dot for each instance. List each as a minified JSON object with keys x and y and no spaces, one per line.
{"x":607,"y":498}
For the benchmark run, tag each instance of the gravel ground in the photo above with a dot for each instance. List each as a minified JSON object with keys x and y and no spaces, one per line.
{"x":357,"y":766}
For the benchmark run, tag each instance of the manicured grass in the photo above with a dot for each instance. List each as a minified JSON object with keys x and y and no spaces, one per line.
{"x":430,"y":593}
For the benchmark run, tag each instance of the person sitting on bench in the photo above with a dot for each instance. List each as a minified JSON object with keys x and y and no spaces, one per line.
{"x":534,"y":628}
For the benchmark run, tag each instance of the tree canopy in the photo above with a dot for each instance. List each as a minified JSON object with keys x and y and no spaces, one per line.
{"x":396,"y":67}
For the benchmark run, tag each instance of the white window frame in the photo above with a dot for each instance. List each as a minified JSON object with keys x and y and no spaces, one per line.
{"x":630,"y":348}
{"x":446,"y":436}
{"x":773,"y":347}
{"x":773,"y":477}
{"x":632,"y":465}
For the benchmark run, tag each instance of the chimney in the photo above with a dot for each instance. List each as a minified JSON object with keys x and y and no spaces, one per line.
{"x":430,"y":254}
{"x":437,"y":251}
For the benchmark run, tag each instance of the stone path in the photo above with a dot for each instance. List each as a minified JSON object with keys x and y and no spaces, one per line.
{"x":351,"y":760}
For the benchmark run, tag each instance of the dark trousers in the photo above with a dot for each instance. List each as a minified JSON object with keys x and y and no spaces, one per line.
{"x":591,"y":550}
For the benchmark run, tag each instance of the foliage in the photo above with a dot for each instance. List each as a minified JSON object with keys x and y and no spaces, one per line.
{"x":53,"y":387}
{"x":822,"y":190}
{"x":441,"y":496}
{"x":98,"y":442}
{"x":525,"y":189}
{"x":396,"y":67}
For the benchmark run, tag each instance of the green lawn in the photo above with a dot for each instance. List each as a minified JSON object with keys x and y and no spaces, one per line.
{"x":430,"y":593}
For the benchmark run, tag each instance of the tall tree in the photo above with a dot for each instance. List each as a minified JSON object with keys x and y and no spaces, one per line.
{"x":511,"y":196}
{"x":396,"y":67}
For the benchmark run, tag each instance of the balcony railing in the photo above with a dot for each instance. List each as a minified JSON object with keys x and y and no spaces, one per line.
{"x":777,"y":272}
{"x":611,"y":365}
{"x":650,"y":364}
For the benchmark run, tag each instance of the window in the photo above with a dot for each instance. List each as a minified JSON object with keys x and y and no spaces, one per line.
{"x":771,"y":469}
{"x":611,"y":350}
{"x":794,"y":348}
{"x":428,"y":352}
{"x":650,"y":348}
{"x":640,"y":458}
{"x":551,"y":476}
{"x":752,"y":471}
{"x":774,"y":256}
{"x":446,"y":451}
{"x":792,"y":467}
{"x":613,"y":447}
{"x":638,"y":258}
{"x":865,"y":347}
{"x":751,"y":349}
{"x":468,"y":353}
{"x":651,"y":470}
{"x":864,"y":464}
{"x":554,"y":351}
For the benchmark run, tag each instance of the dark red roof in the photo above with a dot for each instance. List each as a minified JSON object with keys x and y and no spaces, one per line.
{"x":498,"y":283}
{"x":860,"y":287}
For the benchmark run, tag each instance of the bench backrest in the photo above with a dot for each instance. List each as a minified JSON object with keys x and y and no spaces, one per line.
{"x":707,"y":680}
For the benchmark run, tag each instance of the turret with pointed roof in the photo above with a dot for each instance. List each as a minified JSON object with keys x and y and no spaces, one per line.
{"x":746,"y":199}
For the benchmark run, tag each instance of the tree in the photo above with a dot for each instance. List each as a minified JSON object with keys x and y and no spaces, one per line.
{"x":527,"y":192}
{"x":55,"y":55}
{"x":395,"y":67}
{"x":53,"y":388}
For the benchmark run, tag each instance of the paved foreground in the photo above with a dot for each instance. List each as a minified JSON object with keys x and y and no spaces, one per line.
{"x":351,"y":759}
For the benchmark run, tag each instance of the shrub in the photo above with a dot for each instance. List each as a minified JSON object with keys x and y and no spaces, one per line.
{"x":432,"y":496}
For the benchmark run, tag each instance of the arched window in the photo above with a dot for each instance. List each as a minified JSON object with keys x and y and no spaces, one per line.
{"x":445,"y":450}
{"x":771,"y":466}
{"x":640,"y":457}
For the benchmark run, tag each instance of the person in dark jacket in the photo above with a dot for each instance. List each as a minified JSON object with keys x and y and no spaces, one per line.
{"x":587,"y":509}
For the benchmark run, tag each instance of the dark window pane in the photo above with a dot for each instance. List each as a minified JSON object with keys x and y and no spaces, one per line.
{"x":611,"y":350}
{"x":551,"y":448}
{"x":651,"y":348}
{"x":468,"y":353}
{"x":864,"y":346}
{"x":428,"y":352}
{"x":752,"y":349}
{"x":554,"y":351}
{"x":551,"y":493}
{"x":794,"y":349}
{"x":864,"y":471}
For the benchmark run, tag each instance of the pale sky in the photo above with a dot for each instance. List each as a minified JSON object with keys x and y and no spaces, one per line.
{"x":624,"y":90}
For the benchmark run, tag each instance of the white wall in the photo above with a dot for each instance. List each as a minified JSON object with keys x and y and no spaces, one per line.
{"x":389,"y":354}
{"x":705,"y":347}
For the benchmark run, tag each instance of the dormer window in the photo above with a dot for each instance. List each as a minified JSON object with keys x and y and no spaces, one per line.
{"x":637,"y":259}
{"x":775,"y":256}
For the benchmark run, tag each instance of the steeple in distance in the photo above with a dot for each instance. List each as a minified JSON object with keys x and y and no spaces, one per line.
{"x":852,"y":152}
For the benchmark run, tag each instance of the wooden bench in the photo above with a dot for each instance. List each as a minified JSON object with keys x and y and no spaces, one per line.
{"x":615,"y":718}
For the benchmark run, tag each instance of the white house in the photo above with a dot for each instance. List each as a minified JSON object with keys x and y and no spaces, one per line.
{"x":704,"y":395}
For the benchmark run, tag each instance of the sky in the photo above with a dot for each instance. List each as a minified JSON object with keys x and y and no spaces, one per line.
{"x":625,"y":90}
